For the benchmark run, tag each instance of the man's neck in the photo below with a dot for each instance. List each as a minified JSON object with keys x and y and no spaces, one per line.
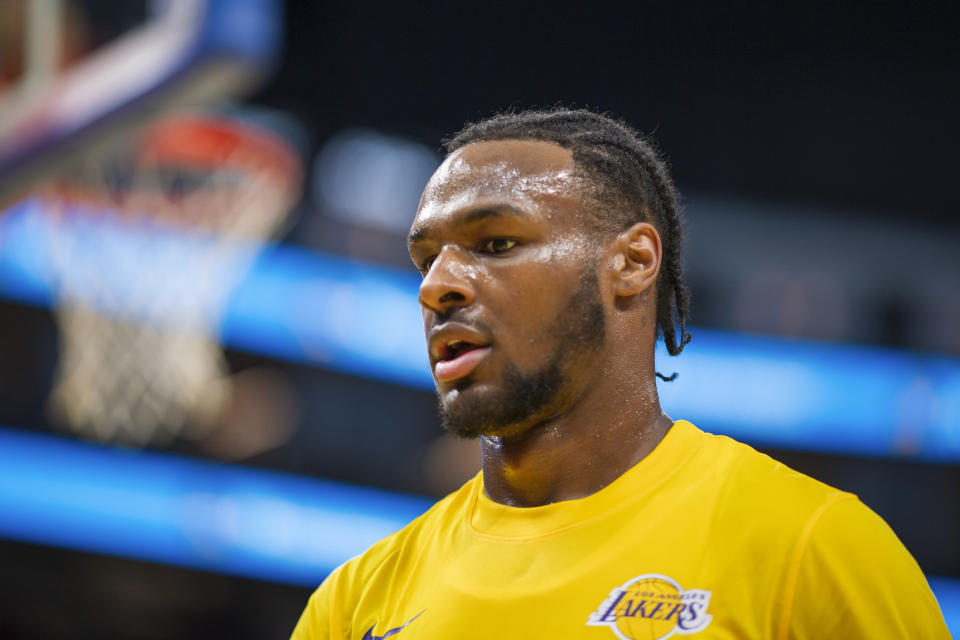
{"x":573,"y":455}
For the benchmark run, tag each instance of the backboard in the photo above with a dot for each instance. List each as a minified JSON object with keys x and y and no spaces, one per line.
{"x":60,"y":96}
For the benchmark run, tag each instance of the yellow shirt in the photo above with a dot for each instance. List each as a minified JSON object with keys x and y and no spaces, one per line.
{"x":704,"y":537}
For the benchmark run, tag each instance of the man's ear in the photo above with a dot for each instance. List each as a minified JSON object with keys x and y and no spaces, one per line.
{"x":638,"y":252}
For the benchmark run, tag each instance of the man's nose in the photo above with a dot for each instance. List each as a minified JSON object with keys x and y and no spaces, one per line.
{"x":447,"y":283}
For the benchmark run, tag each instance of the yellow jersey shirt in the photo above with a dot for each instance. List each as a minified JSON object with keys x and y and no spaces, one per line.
{"x":704,"y":537}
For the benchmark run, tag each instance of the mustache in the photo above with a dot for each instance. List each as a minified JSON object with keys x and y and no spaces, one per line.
{"x":460,"y":316}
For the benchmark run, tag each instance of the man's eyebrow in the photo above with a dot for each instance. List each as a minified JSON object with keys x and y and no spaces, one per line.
{"x":472,"y":216}
{"x":475,"y":215}
{"x":416,"y":235}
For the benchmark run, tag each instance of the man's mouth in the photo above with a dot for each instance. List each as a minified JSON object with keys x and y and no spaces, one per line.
{"x":458,"y":358}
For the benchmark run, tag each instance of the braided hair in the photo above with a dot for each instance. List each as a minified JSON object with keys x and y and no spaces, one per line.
{"x":625,"y":177}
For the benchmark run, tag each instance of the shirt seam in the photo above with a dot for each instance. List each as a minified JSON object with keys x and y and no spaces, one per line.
{"x":793,"y":573}
{"x":366,"y":586}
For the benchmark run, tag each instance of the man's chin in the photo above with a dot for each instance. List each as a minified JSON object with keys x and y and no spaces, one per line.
{"x":477,"y":408}
{"x":475,"y":424}
{"x":462,"y":410}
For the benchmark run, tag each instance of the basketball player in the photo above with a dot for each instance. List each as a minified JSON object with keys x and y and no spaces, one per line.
{"x":549,"y":243}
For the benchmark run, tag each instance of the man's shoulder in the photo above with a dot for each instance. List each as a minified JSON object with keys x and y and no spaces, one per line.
{"x":445,"y":513}
{"x":754,"y":483}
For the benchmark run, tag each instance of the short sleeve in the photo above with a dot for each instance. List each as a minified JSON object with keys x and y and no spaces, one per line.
{"x":319,"y":620}
{"x":852,"y":578}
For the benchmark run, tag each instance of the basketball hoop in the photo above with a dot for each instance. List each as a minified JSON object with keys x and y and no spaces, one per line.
{"x":148,"y":239}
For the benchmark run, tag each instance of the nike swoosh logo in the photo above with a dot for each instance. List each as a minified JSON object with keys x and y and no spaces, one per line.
{"x":369,"y":634}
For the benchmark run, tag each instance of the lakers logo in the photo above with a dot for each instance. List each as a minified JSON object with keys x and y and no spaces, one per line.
{"x":653,"y":607}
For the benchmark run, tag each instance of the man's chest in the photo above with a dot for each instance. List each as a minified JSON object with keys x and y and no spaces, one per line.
{"x":573,"y":588}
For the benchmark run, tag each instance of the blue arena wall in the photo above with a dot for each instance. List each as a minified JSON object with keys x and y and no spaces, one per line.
{"x":364,"y":319}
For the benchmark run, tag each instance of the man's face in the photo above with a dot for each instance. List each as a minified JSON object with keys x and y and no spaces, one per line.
{"x":510,"y":296}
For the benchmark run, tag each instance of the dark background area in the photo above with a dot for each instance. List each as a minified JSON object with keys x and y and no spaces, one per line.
{"x":847,"y":110}
{"x":851,"y":104}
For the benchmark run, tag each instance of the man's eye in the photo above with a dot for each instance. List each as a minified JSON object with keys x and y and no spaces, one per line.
{"x":498,"y":245}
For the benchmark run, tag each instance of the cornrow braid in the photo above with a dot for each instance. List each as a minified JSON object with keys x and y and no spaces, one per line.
{"x":626,"y":178}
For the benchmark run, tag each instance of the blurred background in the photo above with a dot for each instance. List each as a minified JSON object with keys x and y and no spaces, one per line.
{"x":213,"y":384}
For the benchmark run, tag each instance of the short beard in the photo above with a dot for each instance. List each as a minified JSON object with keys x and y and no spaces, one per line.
{"x":528,"y":397}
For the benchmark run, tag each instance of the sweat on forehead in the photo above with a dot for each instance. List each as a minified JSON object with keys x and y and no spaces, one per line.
{"x":495,"y":165}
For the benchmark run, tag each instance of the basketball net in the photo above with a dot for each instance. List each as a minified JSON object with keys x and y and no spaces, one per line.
{"x":148,"y":240}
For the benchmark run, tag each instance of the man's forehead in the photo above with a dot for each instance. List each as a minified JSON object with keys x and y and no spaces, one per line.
{"x":501,"y":167}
